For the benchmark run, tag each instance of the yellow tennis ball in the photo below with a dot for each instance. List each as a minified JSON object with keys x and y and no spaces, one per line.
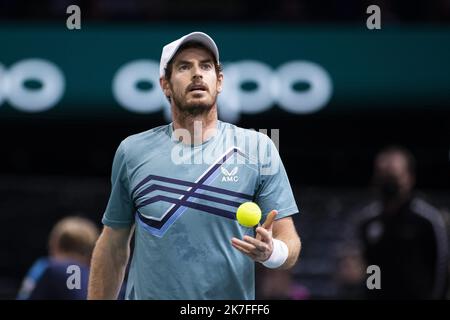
{"x":248,"y":214}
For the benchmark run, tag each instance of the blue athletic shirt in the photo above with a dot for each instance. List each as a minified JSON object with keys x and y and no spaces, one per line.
{"x":183,"y":200}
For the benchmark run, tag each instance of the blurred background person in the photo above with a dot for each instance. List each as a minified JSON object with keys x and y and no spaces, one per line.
{"x":70,"y":243}
{"x":403,"y":234}
{"x":350,"y":275}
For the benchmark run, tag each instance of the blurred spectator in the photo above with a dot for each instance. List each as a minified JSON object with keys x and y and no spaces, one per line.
{"x":71,"y":242}
{"x":403,"y":234}
{"x":350,"y":274}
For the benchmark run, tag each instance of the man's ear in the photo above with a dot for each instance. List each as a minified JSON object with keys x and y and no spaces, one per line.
{"x":165,"y":86}
{"x":219,"y":82}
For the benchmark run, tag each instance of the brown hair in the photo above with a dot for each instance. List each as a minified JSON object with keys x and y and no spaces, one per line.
{"x":74,"y":235}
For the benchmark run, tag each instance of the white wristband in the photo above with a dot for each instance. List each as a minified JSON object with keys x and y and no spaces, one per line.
{"x":279,"y":254}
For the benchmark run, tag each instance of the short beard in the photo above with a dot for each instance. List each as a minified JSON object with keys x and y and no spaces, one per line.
{"x":192,"y":110}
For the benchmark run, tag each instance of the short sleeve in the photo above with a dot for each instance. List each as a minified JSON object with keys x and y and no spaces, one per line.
{"x":120,"y":209}
{"x":274,"y":191}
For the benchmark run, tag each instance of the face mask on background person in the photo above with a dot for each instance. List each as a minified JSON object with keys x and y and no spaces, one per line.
{"x":388,"y":187}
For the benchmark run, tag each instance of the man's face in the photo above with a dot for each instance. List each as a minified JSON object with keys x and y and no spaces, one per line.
{"x":392,"y":175}
{"x":194,"y":84}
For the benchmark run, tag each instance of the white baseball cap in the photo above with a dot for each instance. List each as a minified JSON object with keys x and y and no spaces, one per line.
{"x":170,"y":49}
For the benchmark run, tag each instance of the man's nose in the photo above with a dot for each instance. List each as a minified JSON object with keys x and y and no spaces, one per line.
{"x":197,"y":74}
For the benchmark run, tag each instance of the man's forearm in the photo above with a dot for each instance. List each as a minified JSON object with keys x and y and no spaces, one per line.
{"x":284,"y":230}
{"x":107,"y":271}
{"x":294,"y":246}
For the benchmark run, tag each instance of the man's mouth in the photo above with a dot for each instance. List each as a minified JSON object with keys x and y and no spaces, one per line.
{"x":197,"y":87}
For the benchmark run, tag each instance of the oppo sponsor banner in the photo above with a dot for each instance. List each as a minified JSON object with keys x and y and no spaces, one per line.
{"x":110,"y":70}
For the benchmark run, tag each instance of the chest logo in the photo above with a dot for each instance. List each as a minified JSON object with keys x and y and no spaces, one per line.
{"x":229,"y":176}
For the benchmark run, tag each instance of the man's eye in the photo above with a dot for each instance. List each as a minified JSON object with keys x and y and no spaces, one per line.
{"x":207,"y":66}
{"x":183,"y":67}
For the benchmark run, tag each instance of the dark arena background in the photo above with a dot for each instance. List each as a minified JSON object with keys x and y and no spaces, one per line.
{"x":338,"y":92}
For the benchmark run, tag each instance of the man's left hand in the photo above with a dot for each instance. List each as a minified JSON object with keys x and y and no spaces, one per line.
{"x":259,"y":248}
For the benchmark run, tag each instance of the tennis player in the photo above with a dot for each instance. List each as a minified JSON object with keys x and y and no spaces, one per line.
{"x":177,"y":187}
